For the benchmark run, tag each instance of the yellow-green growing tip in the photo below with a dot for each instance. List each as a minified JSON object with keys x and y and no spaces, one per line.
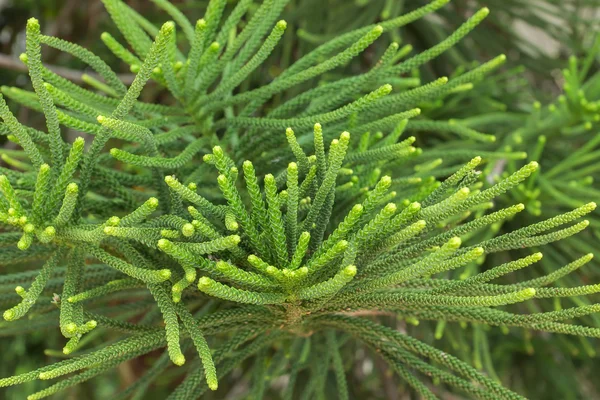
{"x":168,"y":26}
{"x":390,"y":207}
{"x":169,"y":180}
{"x":204,"y":282}
{"x":100,"y":118}
{"x":9,"y":315}
{"x":415,"y":206}
{"x":71,"y":327}
{"x":187,"y":230}
{"x":179,"y":359}
{"x":357,"y":208}
{"x":113,"y":221}
{"x":281,"y":24}
{"x":350,"y":270}
{"x":342,"y":244}
{"x":345,"y":136}
{"x":454,"y":242}
{"x":104,"y":35}
{"x":212,"y":384}
{"x":72,"y":187}
{"x":23,"y":244}
{"x":292,"y":166}
{"x":529,"y":292}
{"x":538,"y":256}
{"x":378,"y":29}
{"x":32,"y":22}
{"x":164,"y":274}
{"x":214,"y":46}
{"x":318,"y":126}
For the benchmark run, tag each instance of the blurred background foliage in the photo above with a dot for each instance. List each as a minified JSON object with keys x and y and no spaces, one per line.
{"x":543,"y":102}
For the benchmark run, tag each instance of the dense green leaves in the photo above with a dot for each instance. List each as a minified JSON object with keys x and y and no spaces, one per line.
{"x":338,"y":216}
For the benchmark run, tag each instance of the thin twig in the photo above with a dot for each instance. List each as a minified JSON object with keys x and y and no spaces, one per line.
{"x":73,"y":75}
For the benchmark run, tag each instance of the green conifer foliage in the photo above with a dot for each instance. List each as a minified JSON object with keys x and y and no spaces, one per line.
{"x":157,"y":242}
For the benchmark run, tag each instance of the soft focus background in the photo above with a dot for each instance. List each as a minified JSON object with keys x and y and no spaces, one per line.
{"x":538,"y":36}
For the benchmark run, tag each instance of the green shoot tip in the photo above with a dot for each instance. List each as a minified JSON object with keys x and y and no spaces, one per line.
{"x":179,"y":360}
{"x":204,"y":282}
{"x":454,"y":242}
{"x":164,"y":274}
{"x":72,"y":188}
{"x":390,"y":208}
{"x":168,"y":27}
{"x":9,"y":315}
{"x":350,"y":271}
{"x":187,"y":230}
{"x":32,"y":22}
